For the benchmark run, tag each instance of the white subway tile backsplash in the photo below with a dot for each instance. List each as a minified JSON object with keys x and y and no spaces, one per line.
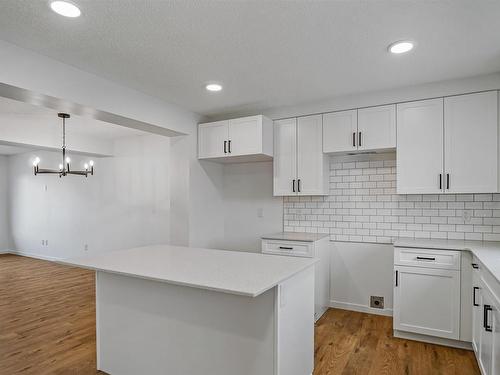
{"x":363,"y":206}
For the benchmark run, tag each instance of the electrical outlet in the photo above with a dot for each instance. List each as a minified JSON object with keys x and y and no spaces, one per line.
{"x":43,"y":242}
{"x":467,"y":215}
{"x":377,"y":302}
{"x":46,"y":242}
{"x":86,"y":247}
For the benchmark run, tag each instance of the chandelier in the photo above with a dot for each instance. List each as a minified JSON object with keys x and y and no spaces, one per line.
{"x":64,"y":167}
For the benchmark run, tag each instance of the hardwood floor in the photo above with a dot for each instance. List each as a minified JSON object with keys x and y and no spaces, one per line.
{"x":348,"y":342}
{"x":47,"y":326}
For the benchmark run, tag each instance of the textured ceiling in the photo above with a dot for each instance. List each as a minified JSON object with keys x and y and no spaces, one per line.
{"x":266,"y":53}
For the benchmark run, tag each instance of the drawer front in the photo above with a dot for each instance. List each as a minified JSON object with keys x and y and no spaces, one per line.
{"x":428,"y":258}
{"x":291,"y":248}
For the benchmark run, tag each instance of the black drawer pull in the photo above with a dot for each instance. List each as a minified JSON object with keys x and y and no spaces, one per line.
{"x":354,"y":139}
{"x":286,"y":248}
{"x":397,"y":274}
{"x":486,"y":326}
{"x":225,"y":147}
{"x":425,"y":258}
{"x":474,"y":296}
{"x":475,"y":265}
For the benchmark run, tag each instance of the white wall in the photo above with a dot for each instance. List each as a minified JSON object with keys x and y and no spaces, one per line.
{"x":125,"y":204}
{"x":247,"y":192}
{"x":195,"y":201}
{"x":4,"y":223}
{"x":361,"y":270}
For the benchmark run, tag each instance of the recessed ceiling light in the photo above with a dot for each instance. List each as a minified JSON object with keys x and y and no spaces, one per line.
{"x":214,"y":87}
{"x":65,"y":8}
{"x":401,"y":47}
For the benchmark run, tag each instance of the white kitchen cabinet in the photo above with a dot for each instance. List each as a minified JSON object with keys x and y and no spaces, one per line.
{"x":377,"y":128}
{"x":448,"y":145}
{"x":237,"y":140}
{"x":285,"y":160}
{"x":365,"y":129}
{"x":300,"y":167}
{"x":486,"y":320}
{"x":212,"y":139}
{"x":312,"y":165}
{"x":471,"y":143}
{"x":340,"y":131}
{"x":419,"y":153}
{"x":427,"y":292}
{"x":427,"y":301}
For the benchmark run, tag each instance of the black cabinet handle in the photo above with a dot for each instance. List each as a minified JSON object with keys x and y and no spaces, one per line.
{"x":474,"y":296}
{"x":225,"y":144}
{"x":359,"y":139}
{"x":397,"y":274}
{"x":486,"y":326}
{"x":293,"y":186}
{"x":354,"y":139}
{"x":298,"y":185}
{"x":440,"y":181}
{"x":229,"y":146}
{"x":447,"y":181}
{"x":286,"y":248}
{"x":425,"y":258}
{"x":475,"y":265}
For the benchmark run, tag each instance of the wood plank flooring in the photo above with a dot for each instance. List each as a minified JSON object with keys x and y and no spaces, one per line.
{"x":47,"y":326}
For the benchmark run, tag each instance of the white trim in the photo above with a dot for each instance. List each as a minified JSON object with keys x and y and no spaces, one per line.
{"x":34,"y":255}
{"x":360,"y":308}
{"x":5,"y":251}
{"x":433,"y":340}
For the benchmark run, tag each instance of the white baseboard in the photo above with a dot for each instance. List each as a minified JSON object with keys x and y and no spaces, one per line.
{"x":34,"y":255}
{"x":360,"y":308}
{"x":433,"y":340}
{"x":5,"y":251}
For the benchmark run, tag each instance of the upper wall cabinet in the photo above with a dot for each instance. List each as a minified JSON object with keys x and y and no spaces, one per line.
{"x":448,"y":145}
{"x":238,"y":140}
{"x":340,"y":130}
{"x":471,"y":143}
{"x":366,"y":129}
{"x":377,"y":128}
{"x":419,"y":154}
{"x":300,"y":167}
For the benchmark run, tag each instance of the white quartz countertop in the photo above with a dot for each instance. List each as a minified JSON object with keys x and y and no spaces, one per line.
{"x":487,"y":252}
{"x":234,"y":272}
{"x":295,"y":236}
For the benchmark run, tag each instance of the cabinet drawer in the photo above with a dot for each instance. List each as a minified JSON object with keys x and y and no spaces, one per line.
{"x":292,"y":248}
{"x":428,"y":258}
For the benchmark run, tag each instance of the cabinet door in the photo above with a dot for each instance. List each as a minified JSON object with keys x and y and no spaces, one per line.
{"x":211,"y":138}
{"x":477,"y":317}
{"x":495,"y":321}
{"x":486,"y":336}
{"x":377,"y":127}
{"x":427,"y":301}
{"x":419,"y":147}
{"x":245,"y":135}
{"x":285,"y":157}
{"x":310,"y":156}
{"x":471,"y":143}
{"x":340,"y":131}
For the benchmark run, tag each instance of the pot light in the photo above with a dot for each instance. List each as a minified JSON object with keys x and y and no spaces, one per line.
{"x":214,"y":87}
{"x":65,"y":8}
{"x":401,"y":47}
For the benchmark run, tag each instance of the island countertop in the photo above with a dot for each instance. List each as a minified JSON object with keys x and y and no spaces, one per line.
{"x":234,"y":272}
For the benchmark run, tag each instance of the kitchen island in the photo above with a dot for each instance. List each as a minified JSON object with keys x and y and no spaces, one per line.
{"x":179,"y":310}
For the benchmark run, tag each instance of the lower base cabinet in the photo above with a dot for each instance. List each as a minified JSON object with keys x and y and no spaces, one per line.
{"x":427,"y":301}
{"x":486,"y":321}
